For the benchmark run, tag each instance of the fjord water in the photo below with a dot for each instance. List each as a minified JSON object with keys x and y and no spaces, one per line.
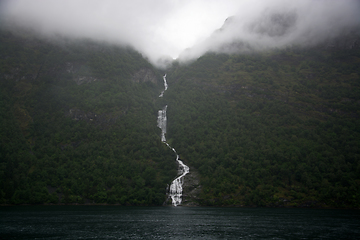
{"x":115,"y":222}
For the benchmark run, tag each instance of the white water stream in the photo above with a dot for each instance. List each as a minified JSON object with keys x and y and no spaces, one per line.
{"x":165,"y":86}
{"x":175,"y":191}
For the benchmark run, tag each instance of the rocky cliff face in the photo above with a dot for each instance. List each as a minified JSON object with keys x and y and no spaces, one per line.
{"x":81,"y":73}
{"x":144,"y":75}
{"x":191,"y":189}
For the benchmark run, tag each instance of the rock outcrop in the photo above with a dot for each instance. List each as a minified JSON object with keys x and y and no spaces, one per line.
{"x":81,"y":73}
{"x":144,"y":75}
{"x":191,"y":189}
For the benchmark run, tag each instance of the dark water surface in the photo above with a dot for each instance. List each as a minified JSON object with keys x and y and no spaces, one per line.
{"x":113,"y":222}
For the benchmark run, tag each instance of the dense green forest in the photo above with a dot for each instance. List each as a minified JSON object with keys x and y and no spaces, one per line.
{"x":274,"y":128}
{"x":78,"y":124}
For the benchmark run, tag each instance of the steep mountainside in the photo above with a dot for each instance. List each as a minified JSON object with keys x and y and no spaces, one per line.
{"x":273,"y":128}
{"x":78,"y":124}
{"x":276,"y":128}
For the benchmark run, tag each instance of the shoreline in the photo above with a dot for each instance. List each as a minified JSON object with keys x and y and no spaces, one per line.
{"x":187,"y":206}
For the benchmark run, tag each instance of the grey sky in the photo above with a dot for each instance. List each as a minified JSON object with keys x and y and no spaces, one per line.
{"x":159,"y":28}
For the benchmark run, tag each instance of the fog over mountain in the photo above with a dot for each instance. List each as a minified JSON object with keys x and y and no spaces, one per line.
{"x":162,"y":29}
{"x":270,"y":123}
{"x":276,"y":24}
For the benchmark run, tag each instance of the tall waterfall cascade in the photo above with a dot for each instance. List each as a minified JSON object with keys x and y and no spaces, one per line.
{"x":175,"y":191}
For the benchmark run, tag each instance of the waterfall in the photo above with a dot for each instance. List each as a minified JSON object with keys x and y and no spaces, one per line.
{"x":175,"y":191}
{"x":176,"y":185}
{"x":165,"y":86}
{"x":162,"y":123}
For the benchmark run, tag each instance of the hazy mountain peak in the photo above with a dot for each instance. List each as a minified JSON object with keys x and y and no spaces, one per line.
{"x":278,"y":25}
{"x":274,"y":24}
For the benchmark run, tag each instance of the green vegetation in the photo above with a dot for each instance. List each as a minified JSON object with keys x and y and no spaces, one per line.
{"x":270,"y":129}
{"x":277,"y":128}
{"x":67,"y":143}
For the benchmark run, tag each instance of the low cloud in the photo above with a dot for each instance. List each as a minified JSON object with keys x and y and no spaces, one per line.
{"x":162,"y":29}
{"x":159,"y":29}
{"x":280,"y":23}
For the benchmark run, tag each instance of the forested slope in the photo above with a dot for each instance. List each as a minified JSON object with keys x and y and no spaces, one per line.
{"x":276,"y":128}
{"x":78,"y":124}
{"x":272,"y":128}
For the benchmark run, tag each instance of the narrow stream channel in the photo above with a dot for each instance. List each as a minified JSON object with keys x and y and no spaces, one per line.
{"x":175,"y":191}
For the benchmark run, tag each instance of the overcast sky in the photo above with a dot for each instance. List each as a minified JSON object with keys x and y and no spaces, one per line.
{"x":159,"y":28}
